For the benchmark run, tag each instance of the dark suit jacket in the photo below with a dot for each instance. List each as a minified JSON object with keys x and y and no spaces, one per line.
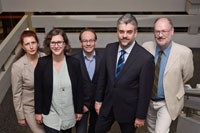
{"x":43,"y":77}
{"x":129,"y":94}
{"x":89,"y":86}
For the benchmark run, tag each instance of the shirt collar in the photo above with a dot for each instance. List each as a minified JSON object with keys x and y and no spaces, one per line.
{"x":166,"y":50}
{"x":128,"y":50}
{"x":94,"y":54}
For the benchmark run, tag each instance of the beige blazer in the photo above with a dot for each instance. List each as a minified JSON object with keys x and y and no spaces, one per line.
{"x":179,"y":69}
{"x":22,"y":78}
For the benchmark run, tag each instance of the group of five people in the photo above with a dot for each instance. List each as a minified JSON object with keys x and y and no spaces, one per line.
{"x":128,"y":83}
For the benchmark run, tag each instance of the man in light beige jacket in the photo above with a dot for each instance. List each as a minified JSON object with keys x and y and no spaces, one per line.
{"x":176,"y":68}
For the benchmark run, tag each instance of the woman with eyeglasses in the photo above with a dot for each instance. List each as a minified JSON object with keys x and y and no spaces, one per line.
{"x":22,"y":78}
{"x":58,"y":96}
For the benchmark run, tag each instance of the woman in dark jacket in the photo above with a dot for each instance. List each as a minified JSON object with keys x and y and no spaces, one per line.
{"x":58,"y":96}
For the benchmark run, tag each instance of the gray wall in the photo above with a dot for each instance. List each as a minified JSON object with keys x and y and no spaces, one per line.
{"x":93,"y":5}
{"x":0,"y":7}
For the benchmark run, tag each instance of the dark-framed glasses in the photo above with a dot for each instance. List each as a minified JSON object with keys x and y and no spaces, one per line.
{"x":163,"y":32}
{"x":58,"y":43}
{"x":86,"y":41}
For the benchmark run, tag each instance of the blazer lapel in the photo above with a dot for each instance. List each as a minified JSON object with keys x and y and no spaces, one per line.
{"x":27,"y":64}
{"x":131,"y":58}
{"x":97,"y":65}
{"x":171,"y":59}
{"x":84,"y":68}
{"x":152,"y":49}
{"x":113,"y":59}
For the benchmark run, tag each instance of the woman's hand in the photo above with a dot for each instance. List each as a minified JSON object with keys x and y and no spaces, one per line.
{"x":38,"y":118}
{"x":78,"y":117}
{"x":22,"y":122}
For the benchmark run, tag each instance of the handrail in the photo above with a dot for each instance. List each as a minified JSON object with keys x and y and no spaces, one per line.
{"x":9,"y":49}
{"x":10,"y":42}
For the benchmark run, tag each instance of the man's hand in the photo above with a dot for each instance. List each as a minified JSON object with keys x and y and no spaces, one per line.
{"x":97,"y":107}
{"x":22,"y":122}
{"x":85,"y":109}
{"x":78,"y":117}
{"x":38,"y":118}
{"x":139,"y":123}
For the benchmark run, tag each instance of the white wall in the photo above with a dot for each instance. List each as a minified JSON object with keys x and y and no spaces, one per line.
{"x":92,"y":5}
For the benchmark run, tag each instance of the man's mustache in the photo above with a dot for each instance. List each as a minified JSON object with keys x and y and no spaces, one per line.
{"x":161,"y":38}
{"x":125,"y":39}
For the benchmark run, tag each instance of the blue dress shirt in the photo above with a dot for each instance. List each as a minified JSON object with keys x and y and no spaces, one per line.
{"x":163,"y":63}
{"x":90,"y":64}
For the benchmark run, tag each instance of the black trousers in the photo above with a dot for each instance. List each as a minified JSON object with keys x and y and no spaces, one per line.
{"x":81,"y":126}
{"x":51,"y":130}
{"x":105,"y":123}
{"x":92,"y":120}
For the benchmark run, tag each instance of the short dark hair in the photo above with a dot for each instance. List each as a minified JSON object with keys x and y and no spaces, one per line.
{"x":48,"y":38}
{"x":91,"y":30}
{"x":28,"y":33}
{"x":128,"y":18}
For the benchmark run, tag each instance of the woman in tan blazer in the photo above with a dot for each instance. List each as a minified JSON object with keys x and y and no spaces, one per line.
{"x":22,"y":78}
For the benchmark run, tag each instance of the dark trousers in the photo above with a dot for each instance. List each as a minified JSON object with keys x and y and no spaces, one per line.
{"x":51,"y":130}
{"x":92,"y":120}
{"x":81,"y":126}
{"x":104,"y":124}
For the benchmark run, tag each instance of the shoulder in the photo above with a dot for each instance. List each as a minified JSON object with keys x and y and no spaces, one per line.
{"x":111,"y":45}
{"x":45,"y":58}
{"x":20,"y":62}
{"x":42,"y":61}
{"x":143,"y":52}
{"x":72,"y":60}
{"x":181,"y":48}
{"x":77,"y":55}
{"x":99,"y":54}
{"x":149,"y":45}
{"x":42,"y":54}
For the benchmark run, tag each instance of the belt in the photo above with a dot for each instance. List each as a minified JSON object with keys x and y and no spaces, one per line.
{"x":157,"y":99}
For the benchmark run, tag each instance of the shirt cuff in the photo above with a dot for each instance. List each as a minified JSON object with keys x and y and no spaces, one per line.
{"x":96,"y":102}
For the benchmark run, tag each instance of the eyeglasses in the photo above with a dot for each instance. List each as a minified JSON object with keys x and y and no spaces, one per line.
{"x":164,"y":32}
{"x":86,"y":41}
{"x":58,"y":43}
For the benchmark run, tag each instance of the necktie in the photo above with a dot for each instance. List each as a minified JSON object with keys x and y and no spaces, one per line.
{"x":157,"y":70}
{"x":120,"y":63}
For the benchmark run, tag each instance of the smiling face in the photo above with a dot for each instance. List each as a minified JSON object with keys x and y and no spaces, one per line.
{"x":88,"y":41}
{"x":163,"y":32}
{"x":57,"y":45}
{"x":126,"y":34}
{"x":30,"y":45}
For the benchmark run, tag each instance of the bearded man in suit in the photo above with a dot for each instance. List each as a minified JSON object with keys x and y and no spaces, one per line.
{"x":175,"y":69}
{"x":125,"y":81}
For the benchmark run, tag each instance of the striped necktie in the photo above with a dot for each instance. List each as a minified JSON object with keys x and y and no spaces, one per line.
{"x":120,"y":63}
{"x":157,"y":70}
